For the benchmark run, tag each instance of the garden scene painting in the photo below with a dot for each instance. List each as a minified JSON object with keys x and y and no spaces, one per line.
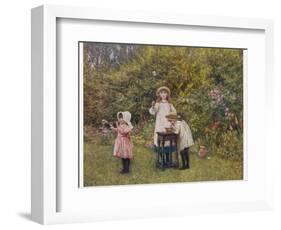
{"x":161,"y":114}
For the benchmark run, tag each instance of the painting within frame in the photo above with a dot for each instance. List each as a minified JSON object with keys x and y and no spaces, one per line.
{"x":160,"y":113}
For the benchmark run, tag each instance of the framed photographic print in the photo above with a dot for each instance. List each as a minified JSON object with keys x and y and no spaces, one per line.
{"x":152,"y":114}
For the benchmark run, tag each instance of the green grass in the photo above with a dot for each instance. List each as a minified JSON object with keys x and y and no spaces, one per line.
{"x":101,"y":168}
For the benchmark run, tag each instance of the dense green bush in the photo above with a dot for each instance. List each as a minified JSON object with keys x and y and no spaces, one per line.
{"x":206,"y":89}
{"x":231,"y":146}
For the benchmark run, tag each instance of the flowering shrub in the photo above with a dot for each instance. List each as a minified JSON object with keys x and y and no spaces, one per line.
{"x":216,"y":96}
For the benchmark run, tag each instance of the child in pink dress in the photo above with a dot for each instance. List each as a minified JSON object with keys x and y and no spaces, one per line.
{"x":123,"y":147}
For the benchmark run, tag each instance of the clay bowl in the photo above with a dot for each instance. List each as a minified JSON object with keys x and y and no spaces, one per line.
{"x":169,"y":130}
{"x":202,"y":151}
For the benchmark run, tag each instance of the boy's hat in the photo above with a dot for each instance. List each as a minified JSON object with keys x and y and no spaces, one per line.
{"x":172,"y":116}
{"x":163,"y":88}
{"x":126,"y":118}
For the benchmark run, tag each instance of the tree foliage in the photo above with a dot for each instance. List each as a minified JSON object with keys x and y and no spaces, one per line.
{"x":206,"y":84}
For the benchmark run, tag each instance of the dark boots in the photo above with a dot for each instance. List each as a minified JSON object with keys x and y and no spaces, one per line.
{"x":126,"y":165}
{"x":123,"y":165}
{"x":185,"y":158}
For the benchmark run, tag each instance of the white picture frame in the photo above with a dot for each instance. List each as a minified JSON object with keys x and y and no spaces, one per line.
{"x":46,"y":181}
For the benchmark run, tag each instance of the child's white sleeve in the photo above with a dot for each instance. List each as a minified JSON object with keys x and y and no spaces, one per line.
{"x":173,"y":109}
{"x":154,"y":109}
{"x":176,"y":128}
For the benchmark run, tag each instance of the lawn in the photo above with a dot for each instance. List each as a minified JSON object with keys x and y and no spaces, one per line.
{"x":101,"y":168}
